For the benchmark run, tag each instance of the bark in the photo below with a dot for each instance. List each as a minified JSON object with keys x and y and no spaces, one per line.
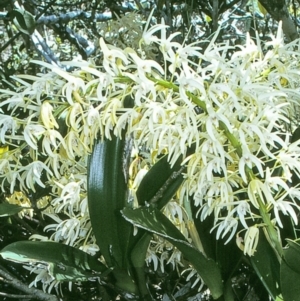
{"x":278,"y":11}
{"x":31,"y":291}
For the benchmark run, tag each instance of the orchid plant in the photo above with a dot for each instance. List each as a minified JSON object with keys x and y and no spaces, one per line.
{"x":138,"y":157}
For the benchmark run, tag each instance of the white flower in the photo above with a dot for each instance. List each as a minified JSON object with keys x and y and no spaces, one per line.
{"x":110,"y":56}
{"x":91,"y":249}
{"x":248,"y":160}
{"x":251,"y":240}
{"x":213,"y":120}
{"x":144,"y":67}
{"x":52,"y":140}
{"x":215,"y":165}
{"x":275,"y":183}
{"x":43,"y":275}
{"x":286,"y":208}
{"x":138,"y":178}
{"x":13,"y":177}
{"x":7,"y":124}
{"x":241,"y":210}
{"x":32,"y":174}
{"x":229,"y":224}
{"x":144,"y":89}
{"x":32,"y":132}
{"x":166,"y":44}
{"x":277,"y":41}
{"x":67,"y":231}
{"x":147,"y":36}
{"x":193,"y":273}
{"x":47,"y":116}
{"x":174,"y":211}
{"x":75,"y":146}
{"x":53,"y":162}
{"x":289,"y":160}
{"x":258,"y":189}
{"x":74,"y":84}
{"x":69,"y":199}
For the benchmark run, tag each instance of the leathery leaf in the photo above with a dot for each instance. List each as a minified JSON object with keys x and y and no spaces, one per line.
{"x":107,"y":195}
{"x":156,"y":222}
{"x":160,"y":183}
{"x":66,"y":262}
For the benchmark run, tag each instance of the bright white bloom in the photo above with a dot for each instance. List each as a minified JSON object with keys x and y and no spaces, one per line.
{"x":32,"y":132}
{"x":74,"y":84}
{"x":287,"y":209}
{"x":67,"y":231}
{"x":248,"y":160}
{"x":47,"y":116}
{"x":110,"y":56}
{"x":52,"y":140}
{"x":43,"y":276}
{"x":241,"y":210}
{"x":144,"y":67}
{"x":250,"y":241}
{"x":32,"y":173}
{"x":8,"y":127}
{"x":70,"y":198}
{"x":228,"y":225}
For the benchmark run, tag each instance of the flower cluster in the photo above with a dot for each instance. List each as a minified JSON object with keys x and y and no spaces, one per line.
{"x":229,"y":117}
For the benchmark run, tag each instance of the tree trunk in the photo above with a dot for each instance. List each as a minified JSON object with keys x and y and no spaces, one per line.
{"x":278,"y":10}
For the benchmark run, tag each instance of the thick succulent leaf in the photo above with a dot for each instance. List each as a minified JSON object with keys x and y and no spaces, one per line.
{"x":266,"y":266}
{"x":156,"y":222}
{"x":290,"y":283}
{"x":292,"y":255}
{"x":138,"y":256}
{"x":228,"y":257}
{"x":290,"y":272}
{"x":107,"y":195}
{"x":25,"y":20}
{"x":157,"y":187}
{"x":160,"y":183}
{"x":7,"y":209}
{"x":66,"y":262}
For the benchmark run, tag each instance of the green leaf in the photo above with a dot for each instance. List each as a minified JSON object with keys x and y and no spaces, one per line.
{"x":228,"y":258}
{"x":160,"y":183}
{"x":292,"y":255}
{"x":7,"y":209}
{"x":66,"y":262}
{"x":24,"y":20}
{"x":107,"y":195}
{"x":138,"y":257}
{"x":290,"y":283}
{"x":266,"y":265}
{"x":156,"y":222}
{"x":157,"y":187}
{"x":290,"y":272}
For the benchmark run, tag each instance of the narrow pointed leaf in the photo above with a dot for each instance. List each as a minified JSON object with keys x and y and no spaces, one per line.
{"x":292,"y":255}
{"x":290,"y":283}
{"x":66,"y":262}
{"x":24,"y":20}
{"x":107,"y":195}
{"x":160,"y":183}
{"x":156,"y":222}
{"x":138,"y":257}
{"x":266,"y":267}
{"x":7,"y":209}
{"x":290,"y":272}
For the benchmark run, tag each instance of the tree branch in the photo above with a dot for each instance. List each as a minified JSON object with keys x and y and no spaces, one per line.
{"x":279,"y":11}
{"x":16,"y":283}
{"x":78,"y":15}
{"x":65,"y":18}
